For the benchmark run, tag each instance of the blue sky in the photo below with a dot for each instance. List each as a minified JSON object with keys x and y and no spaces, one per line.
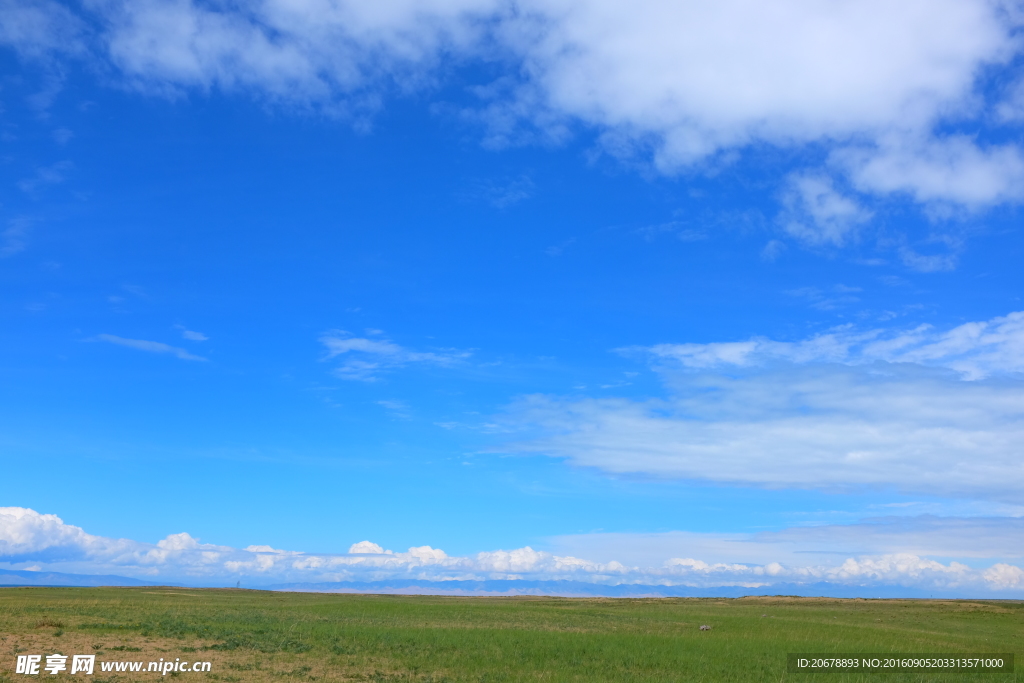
{"x":643,"y":293}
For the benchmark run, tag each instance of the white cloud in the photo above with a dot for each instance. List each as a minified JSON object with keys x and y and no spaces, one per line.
{"x":15,"y":236}
{"x":703,"y":76}
{"x":952,"y":169}
{"x":893,"y":551}
{"x":974,"y":349}
{"x":927,"y":263}
{"x":1004,"y":576}
{"x":365,"y":359}
{"x":684,"y":81}
{"x":365,"y":548}
{"x":967,"y":539}
{"x":924,"y":535}
{"x":191,"y":335}
{"x":62,"y":136}
{"x":818,"y":215}
{"x":699,"y":76}
{"x":24,"y":531}
{"x":829,"y":298}
{"x":772,"y":250}
{"x":150,"y":346}
{"x":310,"y":52}
{"x":47,"y":543}
{"x":1011,"y":108}
{"x":814,"y":427}
{"x":676,"y":82}
{"x":36,"y":28}
{"x":46,"y":175}
{"x":842,"y":410}
{"x":27,"y":533}
{"x":501,"y":194}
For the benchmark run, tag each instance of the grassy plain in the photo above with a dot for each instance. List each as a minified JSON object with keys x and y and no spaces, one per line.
{"x":264,"y":636}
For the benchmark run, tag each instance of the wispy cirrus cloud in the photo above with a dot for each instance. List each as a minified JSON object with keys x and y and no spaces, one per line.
{"x":918,"y":410}
{"x":45,"y":175}
{"x":975,"y":349}
{"x":191,"y":335}
{"x":501,"y":194}
{"x":149,"y":346}
{"x":14,"y":237}
{"x":817,"y":427}
{"x":365,"y":358}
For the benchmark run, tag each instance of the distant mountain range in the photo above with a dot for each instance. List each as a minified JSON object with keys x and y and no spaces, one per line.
{"x":582,"y":589}
{"x":11,"y":578}
{"x":14,"y":577}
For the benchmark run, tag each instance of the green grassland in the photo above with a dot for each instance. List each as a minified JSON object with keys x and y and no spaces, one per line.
{"x":267,"y":636}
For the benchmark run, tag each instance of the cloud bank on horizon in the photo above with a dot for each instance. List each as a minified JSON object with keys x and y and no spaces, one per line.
{"x":43,"y":542}
{"x":914,"y":99}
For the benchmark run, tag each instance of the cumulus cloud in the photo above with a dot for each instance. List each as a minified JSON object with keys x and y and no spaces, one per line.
{"x":699,"y":76}
{"x":364,"y":358}
{"x":150,"y":346}
{"x":952,"y":170}
{"x":25,"y":533}
{"x":28,"y":536}
{"x":365,"y":548}
{"x":705,"y":76}
{"x":674,"y":82}
{"x":1004,"y":576}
